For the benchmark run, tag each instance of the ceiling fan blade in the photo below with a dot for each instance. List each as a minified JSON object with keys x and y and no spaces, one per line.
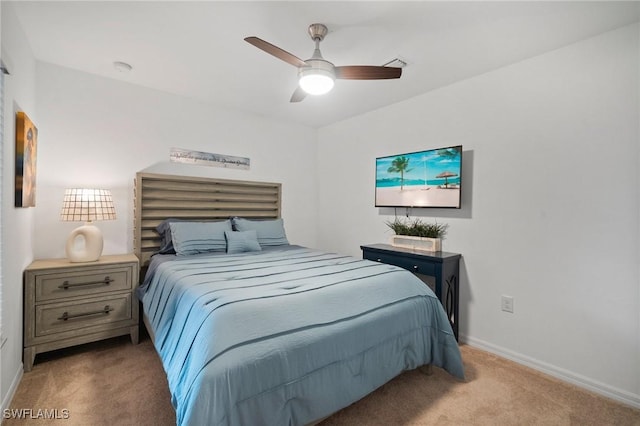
{"x":276,"y":51}
{"x":298,"y":95}
{"x":367,"y":72}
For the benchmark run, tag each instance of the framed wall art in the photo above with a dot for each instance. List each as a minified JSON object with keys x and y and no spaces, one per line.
{"x":26,"y":155}
{"x":189,"y":156}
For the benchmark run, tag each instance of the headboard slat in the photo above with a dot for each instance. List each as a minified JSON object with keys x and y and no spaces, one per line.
{"x":194,"y":214}
{"x":159,"y":197}
{"x":155,"y":194}
{"x":208,"y":205}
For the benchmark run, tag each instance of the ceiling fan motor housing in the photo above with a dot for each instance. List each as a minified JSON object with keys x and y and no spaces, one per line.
{"x":318,"y":31}
{"x":320,"y":65}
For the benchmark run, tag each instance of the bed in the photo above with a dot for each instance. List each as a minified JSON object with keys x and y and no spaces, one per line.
{"x":278,"y":334}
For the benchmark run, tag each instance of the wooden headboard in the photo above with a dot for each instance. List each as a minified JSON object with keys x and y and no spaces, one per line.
{"x":159,"y":197}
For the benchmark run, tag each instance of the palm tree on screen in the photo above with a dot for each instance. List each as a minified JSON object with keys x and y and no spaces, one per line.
{"x":400,"y":165}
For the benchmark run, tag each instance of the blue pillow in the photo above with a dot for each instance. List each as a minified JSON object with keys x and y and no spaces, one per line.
{"x":199,"y":237}
{"x":166,"y":243}
{"x":270,"y":232}
{"x":241,"y":241}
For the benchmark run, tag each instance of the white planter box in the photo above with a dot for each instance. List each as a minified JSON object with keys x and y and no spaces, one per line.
{"x":416,"y":243}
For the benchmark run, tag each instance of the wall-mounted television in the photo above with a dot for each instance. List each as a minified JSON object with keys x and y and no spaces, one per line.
{"x":430,"y":178}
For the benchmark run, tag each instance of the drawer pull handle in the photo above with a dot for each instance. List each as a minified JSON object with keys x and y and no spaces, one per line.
{"x":65,"y":316}
{"x":67,"y":285}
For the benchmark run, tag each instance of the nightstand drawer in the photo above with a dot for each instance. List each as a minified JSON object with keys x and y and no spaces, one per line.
{"x":412,"y":265}
{"x":83,"y":283}
{"x":61,"y":317}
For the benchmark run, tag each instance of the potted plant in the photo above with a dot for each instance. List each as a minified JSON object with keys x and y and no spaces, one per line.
{"x":417,"y":235}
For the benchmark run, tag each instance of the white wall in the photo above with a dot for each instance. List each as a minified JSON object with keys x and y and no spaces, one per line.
{"x":551,"y":204}
{"x":17,"y":223}
{"x":99,"y":132}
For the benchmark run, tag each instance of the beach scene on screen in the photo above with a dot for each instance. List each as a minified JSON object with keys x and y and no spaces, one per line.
{"x":420,"y":179}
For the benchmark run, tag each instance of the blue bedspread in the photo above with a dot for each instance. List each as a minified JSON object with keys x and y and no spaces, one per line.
{"x":288,"y":336}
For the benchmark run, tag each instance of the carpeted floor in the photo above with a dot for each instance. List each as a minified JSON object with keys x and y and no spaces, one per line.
{"x":116,"y":383}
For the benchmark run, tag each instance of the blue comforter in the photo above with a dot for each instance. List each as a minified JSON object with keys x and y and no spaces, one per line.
{"x":288,"y":336}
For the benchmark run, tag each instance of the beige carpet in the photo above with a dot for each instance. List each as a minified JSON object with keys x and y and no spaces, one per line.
{"x":116,"y":383}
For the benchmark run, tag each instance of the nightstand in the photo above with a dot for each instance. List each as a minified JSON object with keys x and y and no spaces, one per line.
{"x":443,"y":266}
{"x":67,"y":304}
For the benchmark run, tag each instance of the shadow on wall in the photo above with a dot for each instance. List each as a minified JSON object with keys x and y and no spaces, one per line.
{"x":465,"y":297}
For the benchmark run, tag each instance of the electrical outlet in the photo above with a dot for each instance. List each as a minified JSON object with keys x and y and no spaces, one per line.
{"x":507,"y":304}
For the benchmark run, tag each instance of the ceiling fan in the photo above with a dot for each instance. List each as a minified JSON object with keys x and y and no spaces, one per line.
{"x":316,"y":74}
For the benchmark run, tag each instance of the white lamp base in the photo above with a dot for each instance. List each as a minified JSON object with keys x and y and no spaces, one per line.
{"x":91,"y":250}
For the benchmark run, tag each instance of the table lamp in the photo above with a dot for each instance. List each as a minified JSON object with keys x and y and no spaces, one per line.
{"x":86,"y":205}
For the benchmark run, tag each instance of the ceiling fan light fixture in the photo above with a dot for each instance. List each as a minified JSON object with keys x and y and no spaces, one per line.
{"x":318,"y":77}
{"x":316,"y":82}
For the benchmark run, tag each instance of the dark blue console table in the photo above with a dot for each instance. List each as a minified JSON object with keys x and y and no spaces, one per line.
{"x":443,"y":266}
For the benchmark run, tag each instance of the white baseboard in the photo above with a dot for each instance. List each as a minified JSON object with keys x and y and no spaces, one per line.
{"x":12,"y":390}
{"x":619,"y":395}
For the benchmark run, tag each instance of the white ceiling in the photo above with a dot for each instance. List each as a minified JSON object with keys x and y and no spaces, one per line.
{"x":196,"y":49}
